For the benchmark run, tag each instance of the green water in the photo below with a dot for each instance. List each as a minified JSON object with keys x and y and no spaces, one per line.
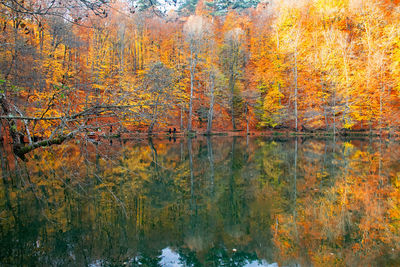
{"x":221,"y":201}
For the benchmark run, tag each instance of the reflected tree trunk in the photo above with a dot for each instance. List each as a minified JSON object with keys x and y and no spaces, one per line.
{"x":295,"y":170}
{"x":295,"y":188}
{"x":211,"y":161}
{"x":234,"y":209}
{"x":190,"y":152}
{"x":154,"y":154}
{"x":344,"y":210}
{"x":182,"y":156}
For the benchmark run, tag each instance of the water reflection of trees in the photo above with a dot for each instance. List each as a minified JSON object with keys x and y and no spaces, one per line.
{"x":212,"y":200}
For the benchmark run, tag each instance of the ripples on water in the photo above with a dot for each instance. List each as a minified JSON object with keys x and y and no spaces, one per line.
{"x":224,"y":201}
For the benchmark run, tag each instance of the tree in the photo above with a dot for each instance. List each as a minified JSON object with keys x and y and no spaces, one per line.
{"x":221,"y":7}
{"x":72,"y":10}
{"x":233,"y":62}
{"x":158,"y":82}
{"x":196,"y":30}
{"x":290,"y":25}
{"x":188,"y":7}
{"x":268,"y":68}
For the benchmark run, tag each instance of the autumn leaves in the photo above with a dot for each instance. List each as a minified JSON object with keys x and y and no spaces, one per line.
{"x":328,"y":65}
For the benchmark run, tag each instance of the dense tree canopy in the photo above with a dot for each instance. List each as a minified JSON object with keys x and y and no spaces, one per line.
{"x":69,"y":67}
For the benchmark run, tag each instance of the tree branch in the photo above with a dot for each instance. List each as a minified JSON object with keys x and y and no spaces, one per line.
{"x":20,"y":151}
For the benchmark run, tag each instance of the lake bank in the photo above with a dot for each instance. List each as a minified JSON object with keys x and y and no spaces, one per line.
{"x":268,"y":133}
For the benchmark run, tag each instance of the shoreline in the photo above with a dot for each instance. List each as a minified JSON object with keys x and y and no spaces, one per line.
{"x":270,"y":133}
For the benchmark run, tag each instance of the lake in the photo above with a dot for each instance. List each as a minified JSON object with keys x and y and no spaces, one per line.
{"x":220,"y":201}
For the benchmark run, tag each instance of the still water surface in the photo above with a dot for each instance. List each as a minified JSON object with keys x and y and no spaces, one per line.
{"x":221,"y":201}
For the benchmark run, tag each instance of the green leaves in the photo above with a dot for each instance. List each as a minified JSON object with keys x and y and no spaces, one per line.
{"x":221,"y":7}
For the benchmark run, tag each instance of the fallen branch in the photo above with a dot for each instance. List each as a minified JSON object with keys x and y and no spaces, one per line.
{"x":20,"y":150}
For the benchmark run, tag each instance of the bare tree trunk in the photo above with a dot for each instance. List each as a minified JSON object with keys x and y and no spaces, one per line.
{"x":211,"y":109}
{"x":326,"y":119}
{"x":140,"y":48}
{"x":122,"y":48}
{"x":295,"y":89}
{"x":181,"y":126}
{"x":135,"y":53}
{"x":334,"y":113}
{"x":247,"y":119}
{"x":347,"y":107}
{"x":154,"y":117}
{"x":191,"y":101}
{"x":232,"y":86}
{"x":193,"y":62}
{"x":380,"y":109}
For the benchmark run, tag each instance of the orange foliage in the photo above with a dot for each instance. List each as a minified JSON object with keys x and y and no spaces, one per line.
{"x":329,"y":65}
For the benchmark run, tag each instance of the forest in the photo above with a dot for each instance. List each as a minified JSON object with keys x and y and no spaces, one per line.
{"x":77,"y":67}
{"x":200,"y":133}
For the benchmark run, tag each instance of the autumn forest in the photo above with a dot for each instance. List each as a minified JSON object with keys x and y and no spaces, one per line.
{"x":78,"y":66}
{"x":172,"y":133}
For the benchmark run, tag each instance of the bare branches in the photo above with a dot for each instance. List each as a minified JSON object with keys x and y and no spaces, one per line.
{"x":56,"y":8}
{"x":65,"y":126}
{"x":95,"y":110}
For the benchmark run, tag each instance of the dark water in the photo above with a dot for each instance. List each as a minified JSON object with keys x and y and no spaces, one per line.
{"x":224,"y":201}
